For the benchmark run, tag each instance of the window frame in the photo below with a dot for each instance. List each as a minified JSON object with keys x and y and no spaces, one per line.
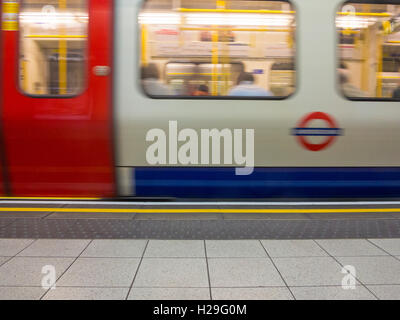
{"x":233,"y":98}
{"x":338,"y":86}
{"x":86,"y":69}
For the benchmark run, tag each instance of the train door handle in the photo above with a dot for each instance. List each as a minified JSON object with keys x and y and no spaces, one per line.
{"x":101,"y":71}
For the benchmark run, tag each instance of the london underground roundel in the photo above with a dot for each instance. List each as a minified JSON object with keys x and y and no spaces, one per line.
{"x":329,"y":131}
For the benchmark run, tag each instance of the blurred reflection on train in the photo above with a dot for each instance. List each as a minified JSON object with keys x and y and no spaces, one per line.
{"x":369,"y":50}
{"x":232,"y":54}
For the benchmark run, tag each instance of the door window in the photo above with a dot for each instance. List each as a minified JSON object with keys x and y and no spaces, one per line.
{"x":52,"y":47}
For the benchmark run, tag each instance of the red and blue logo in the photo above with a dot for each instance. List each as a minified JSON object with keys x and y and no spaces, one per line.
{"x":303,"y":132}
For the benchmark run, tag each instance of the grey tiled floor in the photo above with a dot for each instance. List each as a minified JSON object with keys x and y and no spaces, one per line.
{"x":200,"y":270}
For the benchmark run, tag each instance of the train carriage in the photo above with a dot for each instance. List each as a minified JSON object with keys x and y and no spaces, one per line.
{"x":85,"y":84}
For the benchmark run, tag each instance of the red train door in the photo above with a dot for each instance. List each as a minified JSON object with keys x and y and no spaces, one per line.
{"x":2,"y":155}
{"x":57,"y":98}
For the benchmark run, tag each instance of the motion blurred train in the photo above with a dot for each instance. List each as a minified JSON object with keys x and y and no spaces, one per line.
{"x":84,"y":82}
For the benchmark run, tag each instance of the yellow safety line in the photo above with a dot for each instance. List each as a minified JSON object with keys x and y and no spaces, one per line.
{"x":100,"y":210}
{"x":393,"y":41}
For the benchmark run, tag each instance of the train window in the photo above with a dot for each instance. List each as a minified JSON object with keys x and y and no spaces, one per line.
{"x":218,"y":49}
{"x":369,"y":50}
{"x":52,"y":47}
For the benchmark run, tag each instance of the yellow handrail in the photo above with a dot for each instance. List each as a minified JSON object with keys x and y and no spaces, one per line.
{"x":233,"y":29}
{"x":235,"y":11}
{"x":144,"y":46}
{"x":350,"y":31}
{"x":192,"y":73}
{"x":10,"y":14}
{"x":367,"y":14}
{"x":215,"y":61}
{"x":56,"y":36}
{"x":389,"y":77}
{"x":62,"y":55}
{"x":379,"y":54}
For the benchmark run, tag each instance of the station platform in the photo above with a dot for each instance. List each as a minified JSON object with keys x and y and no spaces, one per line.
{"x":197,"y":251}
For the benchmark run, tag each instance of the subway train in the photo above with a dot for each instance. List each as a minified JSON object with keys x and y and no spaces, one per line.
{"x":184,"y":99}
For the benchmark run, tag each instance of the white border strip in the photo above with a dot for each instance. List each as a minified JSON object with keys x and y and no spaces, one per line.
{"x":197,"y":204}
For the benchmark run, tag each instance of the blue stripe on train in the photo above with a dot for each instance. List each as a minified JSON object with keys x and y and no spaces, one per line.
{"x":268,"y":182}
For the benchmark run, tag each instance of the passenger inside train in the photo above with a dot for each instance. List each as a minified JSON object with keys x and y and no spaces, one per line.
{"x":246,"y":87}
{"x":202,"y":91}
{"x":349,"y":89}
{"x":396,"y":92}
{"x":151,"y":83}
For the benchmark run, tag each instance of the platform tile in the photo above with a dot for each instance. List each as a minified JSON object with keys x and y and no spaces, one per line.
{"x":350,"y":247}
{"x":392,"y":246}
{"x":374,"y":270}
{"x":4,"y":259}
{"x":293,"y":248}
{"x":234,"y":248}
{"x":386,"y":292}
{"x":100,"y":272}
{"x":243,"y":272}
{"x":27,"y":271}
{"x":115,"y":248}
{"x":172,"y":272}
{"x":310,"y":271}
{"x":169,"y":294}
{"x":271,"y":293}
{"x":10,"y":247}
{"x":175,"y":249}
{"x":55,"y":248}
{"x":21,"y":293}
{"x":68,"y":293}
{"x":332,"y":293}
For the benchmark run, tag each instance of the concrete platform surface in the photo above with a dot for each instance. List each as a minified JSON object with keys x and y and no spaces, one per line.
{"x":199,"y":269}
